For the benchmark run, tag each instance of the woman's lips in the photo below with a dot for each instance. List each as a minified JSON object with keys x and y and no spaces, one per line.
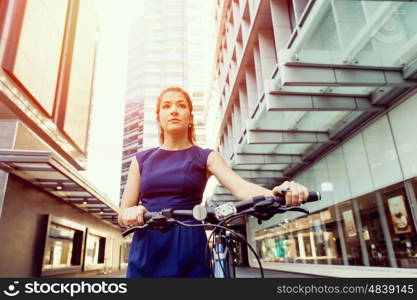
{"x":174,"y":120}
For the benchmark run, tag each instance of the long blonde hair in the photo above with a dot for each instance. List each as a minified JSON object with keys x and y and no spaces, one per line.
{"x":191,"y":129}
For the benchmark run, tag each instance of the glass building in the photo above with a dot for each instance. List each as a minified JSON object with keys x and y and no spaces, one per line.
{"x":169,"y":46}
{"x":324,"y":93}
{"x":132,"y":137}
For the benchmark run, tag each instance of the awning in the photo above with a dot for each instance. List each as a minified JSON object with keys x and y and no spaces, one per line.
{"x":54,"y":176}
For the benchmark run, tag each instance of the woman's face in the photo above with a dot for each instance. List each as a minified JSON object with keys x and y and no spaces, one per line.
{"x":174,"y":112}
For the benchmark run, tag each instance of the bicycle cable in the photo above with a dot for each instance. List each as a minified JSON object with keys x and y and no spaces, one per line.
{"x":229,"y":219}
{"x":240,"y":236}
{"x":220,"y":233}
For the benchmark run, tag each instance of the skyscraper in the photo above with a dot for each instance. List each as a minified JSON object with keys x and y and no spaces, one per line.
{"x":169,"y":46}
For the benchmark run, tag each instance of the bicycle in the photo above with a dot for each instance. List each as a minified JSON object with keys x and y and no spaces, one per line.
{"x":222,"y":261}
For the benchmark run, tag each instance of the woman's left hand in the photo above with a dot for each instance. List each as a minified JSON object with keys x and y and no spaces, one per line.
{"x":295,"y":195}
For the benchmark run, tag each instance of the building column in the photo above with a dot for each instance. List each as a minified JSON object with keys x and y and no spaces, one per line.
{"x":258,"y":72}
{"x":231,"y":139}
{"x":8,"y":131}
{"x":252,"y":6}
{"x":299,"y":6}
{"x":385,"y":230}
{"x":245,"y":30}
{"x":411,"y":196}
{"x":267,"y":53}
{"x":341,"y":236}
{"x":362,"y":242}
{"x":243,"y":101}
{"x":236,"y":123}
{"x":313,"y":247}
{"x":281,"y":24}
{"x":251,"y":90}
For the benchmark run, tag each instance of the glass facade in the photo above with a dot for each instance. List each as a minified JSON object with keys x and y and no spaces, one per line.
{"x":76,"y":123}
{"x":355,"y":232}
{"x":367,"y":214}
{"x":401,"y":225}
{"x":38,"y":52}
{"x":373,"y":33}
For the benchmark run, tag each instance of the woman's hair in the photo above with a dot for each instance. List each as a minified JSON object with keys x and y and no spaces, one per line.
{"x":191,"y":130}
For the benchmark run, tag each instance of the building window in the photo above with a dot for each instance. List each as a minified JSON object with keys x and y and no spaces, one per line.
{"x":94,"y":252}
{"x":59,"y":247}
{"x":350,"y":233}
{"x":401,"y":226}
{"x":125,"y":251}
{"x":63,"y":246}
{"x":312,"y":239}
{"x":372,"y":232}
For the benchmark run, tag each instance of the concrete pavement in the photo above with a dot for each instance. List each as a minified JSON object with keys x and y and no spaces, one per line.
{"x":241,"y":272}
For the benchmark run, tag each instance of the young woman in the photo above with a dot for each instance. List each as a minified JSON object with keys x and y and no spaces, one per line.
{"x":174,"y":175}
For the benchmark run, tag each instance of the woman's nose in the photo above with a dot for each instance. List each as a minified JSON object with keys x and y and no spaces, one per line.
{"x":174,"y":110}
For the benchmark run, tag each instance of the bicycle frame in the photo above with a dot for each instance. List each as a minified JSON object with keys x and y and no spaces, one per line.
{"x":223,"y":255}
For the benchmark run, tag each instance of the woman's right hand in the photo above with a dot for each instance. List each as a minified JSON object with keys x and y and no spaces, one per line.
{"x":132,"y":216}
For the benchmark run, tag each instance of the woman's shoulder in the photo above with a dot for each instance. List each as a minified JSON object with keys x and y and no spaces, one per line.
{"x":142,"y":154}
{"x":201,"y":149}
{"x":203,"y":153}
{"x":143,"y":151}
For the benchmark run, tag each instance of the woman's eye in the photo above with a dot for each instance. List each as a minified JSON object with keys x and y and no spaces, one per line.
{"x":165,"y":106}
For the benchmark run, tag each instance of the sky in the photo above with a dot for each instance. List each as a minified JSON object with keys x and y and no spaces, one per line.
{"x":106,"y":132}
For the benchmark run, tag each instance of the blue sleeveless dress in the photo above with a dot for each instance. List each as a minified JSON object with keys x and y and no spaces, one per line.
{"x":170,"y":179}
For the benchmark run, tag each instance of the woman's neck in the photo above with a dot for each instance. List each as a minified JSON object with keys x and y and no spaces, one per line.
{"x":172,"y":142}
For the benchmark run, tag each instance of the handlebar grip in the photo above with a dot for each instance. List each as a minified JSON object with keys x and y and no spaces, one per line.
{"x":313,"y":196}
{"x":147,"y":216}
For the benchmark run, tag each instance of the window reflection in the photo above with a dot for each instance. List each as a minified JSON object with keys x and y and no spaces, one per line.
{"x":318,"y":238}
{"x":331,"y":236}
{"x":315,"y":239}
{"x":350,"y":233}
{"x":59,"y":247}
{"x":311,"y":239}
{"x":94,"y":253}
{"x":403,"y":233}
{"x":125,"y":251}
{"x":372,"y":232}
{"x":39,"y":49}
{"x":79,"y":91}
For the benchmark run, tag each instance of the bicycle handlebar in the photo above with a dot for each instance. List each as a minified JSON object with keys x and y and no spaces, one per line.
{"x":256,"y":206}
{"x":241,"y":205}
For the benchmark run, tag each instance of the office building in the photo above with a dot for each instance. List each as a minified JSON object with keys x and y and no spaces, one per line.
{"x":170,"y":46}
{"x":53,"y":221}
{"x":324,"y":93}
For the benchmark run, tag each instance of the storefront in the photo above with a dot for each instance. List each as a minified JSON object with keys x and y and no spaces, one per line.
{"x":367,"y":216}
{"x":376,"y":230}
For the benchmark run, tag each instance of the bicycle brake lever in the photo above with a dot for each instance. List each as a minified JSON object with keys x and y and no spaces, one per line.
{"x":132,"y":229}
{"x":283,"y":209}
{"x":161,"y":223}
{"x":264,"y":211}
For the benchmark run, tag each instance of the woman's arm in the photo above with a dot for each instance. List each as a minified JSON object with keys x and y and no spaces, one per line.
{"x":244,"y":190}
{"x":130,"y":213}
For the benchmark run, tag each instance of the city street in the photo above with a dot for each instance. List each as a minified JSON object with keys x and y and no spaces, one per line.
{"x":290,"y":122}
{"x":242,"y":272}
